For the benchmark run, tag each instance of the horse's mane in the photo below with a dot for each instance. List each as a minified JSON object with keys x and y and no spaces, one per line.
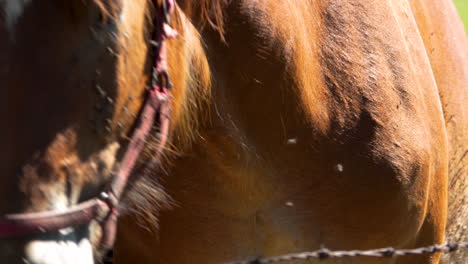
{"x":147,"y":196}
{"x":206,"y":12}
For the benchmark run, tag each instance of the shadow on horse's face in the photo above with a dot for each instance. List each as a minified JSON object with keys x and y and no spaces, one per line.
{"x":57,"y":103}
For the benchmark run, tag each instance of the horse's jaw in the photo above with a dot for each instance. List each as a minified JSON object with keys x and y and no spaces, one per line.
{"x":59,"y":252}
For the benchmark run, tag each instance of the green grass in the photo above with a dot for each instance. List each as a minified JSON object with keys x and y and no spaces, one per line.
{"x":462,"y":6}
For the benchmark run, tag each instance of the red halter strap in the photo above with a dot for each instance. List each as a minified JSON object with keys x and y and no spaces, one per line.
{"x":104,"y":207}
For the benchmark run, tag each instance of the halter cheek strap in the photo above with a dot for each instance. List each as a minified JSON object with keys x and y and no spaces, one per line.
{"x":105,"y":207}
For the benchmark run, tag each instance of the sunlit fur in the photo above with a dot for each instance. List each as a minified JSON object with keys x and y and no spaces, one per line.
{"x":353,"y":89}
{"x":295,"y":125}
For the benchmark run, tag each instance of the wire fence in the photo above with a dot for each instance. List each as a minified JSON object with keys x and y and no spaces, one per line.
{"x":325,"y":253}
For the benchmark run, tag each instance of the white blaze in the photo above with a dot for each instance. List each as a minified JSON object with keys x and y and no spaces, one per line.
{"x":108,"y":155}
{"x":59,"y":252}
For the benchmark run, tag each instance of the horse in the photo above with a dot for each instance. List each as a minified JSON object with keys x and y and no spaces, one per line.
{"x":294,"y":125}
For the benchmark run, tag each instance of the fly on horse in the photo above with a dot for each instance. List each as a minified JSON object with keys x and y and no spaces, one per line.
{"x":294,"y":124}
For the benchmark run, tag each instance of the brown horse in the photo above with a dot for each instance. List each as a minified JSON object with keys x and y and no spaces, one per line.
{"x":336,"y":123}
{"x":295,"y":125}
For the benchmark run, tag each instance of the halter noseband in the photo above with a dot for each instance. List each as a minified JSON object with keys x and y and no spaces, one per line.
{"x":104,"y":207}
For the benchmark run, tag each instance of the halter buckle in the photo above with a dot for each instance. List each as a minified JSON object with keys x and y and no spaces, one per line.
{"x":112,"y":203}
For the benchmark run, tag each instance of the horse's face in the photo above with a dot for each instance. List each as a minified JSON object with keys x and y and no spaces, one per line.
{"x":60,"y":99}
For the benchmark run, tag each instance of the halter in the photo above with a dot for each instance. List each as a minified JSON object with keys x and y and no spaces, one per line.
{"x":104,"y":208}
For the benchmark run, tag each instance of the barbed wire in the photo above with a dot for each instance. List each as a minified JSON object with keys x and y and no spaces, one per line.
{"x":325,"y":253}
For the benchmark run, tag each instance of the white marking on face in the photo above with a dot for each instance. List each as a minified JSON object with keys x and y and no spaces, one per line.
{"x":13,"y":9}
{"x":59,"y":252}
{"x":108,"y":155}
{"x":58,"y":201}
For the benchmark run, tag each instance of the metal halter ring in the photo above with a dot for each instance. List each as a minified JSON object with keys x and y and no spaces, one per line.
{"x":161,"y":79}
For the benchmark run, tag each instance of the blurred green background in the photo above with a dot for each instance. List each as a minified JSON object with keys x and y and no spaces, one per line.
{"x":462,"y":6}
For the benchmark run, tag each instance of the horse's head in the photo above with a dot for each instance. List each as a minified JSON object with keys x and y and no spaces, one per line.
{"x":72,"y":83}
